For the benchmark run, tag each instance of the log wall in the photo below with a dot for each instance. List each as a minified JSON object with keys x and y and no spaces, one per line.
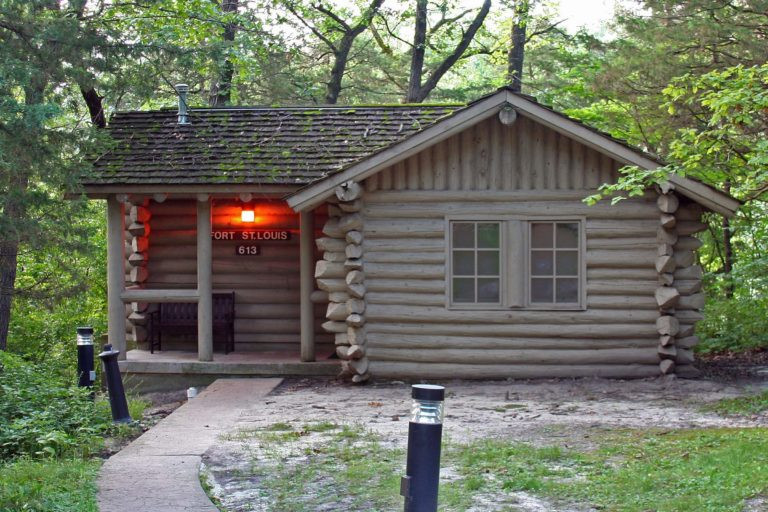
{"x":266,"y":286}
{"x":526,"y":170}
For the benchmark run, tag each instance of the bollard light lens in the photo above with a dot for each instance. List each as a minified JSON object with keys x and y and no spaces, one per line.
{"x":85,"y":335}
{"x":428,"y":404}
{"x":427,"y":412}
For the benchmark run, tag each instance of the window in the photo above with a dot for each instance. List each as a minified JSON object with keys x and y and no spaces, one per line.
{"x":476,"y":262}
{"x":514,"y":263}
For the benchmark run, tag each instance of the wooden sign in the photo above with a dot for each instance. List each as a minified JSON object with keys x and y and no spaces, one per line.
{"x":277,"y":235}
{"x":247,"y":250}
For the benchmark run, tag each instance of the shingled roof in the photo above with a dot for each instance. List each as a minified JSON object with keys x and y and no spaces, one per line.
{"x":252,"y":145}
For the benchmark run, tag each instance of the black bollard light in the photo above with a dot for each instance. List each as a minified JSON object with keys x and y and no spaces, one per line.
{"x":86,"y":375}
{"x":117,"y":400}
{"x":422,"y":473}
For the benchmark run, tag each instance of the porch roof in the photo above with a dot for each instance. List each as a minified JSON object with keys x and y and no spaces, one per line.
{"x":251,"y":145}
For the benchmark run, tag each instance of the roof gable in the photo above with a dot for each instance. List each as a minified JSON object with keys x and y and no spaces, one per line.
{"x":486,"y":107}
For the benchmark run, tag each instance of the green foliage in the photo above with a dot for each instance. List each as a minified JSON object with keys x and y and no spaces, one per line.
{"x":43,"y":414}
{"x":49,"y":485}
{"x":742,"y":406}
{"x":733,"y":324}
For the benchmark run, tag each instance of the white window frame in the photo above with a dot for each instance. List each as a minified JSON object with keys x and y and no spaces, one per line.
{"x":515,"y":268}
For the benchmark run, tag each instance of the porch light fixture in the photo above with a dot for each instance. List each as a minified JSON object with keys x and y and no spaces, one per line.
{"x":248,"y":215}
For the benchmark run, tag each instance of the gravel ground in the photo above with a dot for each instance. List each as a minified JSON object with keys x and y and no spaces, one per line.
{"x":568,"y":413}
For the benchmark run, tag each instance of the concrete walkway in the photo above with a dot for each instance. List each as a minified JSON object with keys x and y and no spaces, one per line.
{"x":159,"y":470}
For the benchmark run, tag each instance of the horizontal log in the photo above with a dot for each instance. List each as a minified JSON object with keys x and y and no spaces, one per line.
{"x":398,"y":229}
{"x":483,"y":196}
{"x":318,"y":297}
{"x":688,"y":316}
{"x":404,"y":271}
{"x":357,"y":335}
{"x":355,"y":277}
{"x":357,"y":290}
{"x":267,"y":326}
{"x":336,"y":311}
{"x":535,"y":330}
{"x":665,"y":250}
{"x":332,"y":285}
{"x":668,"y":203}
{"x":137,"y":259}
{"x":329,"y":270}
{"x":667,"y":325}
{"x":231,"y":265}
{"x":687,"y":342}
{"x":439,"y":299}
{"x":666,"y":236}
{"x":401,"y":370}
{"x":259,"y":311}
{"x":139,"y":229}
{"x":624,"y":287}
{"x":667,"y":352}
{"x":353,"y":264}
{"x":340,"y":297}
{"x":684,"y":258}
{"x":438,"y":210}
{"x":667,"y":297}
{"x":686,"y":330}
{"x":665,"y":264}
{"x":406,"y":244}
{"x":331,"y":228}
{"x":353,"y":251}
{"x":688,"y":243}
{"x":340,"y":338}
{"x":351,"y":206}
{"x":356,"y":306}
{"x":140,"y":243}
{"x":640,"y":274}
{"x":689,"y":211}
{"x":463,"y":319}
{"x":350,"y":222}
{"x":625,"y":244}
{"x":666,"y":341}
{"x":688,"y":287}
{"x":695,"y":301}
{"x":667,"y":366}
{"x":606,"y":228}
{"x":684,"y":356}
{"x":410,"y":285}
{"x":139,"y":274}
{"x":330,"y":244}
{"x":348,"y":191}
{"x":336,"y":327}
{"x":139,"y":214}
{"x":667,"y":221}
{"x":429,"y":341}
{"x":666,"y":279}
{"x":692,"y":272}
{"x":689,"y":227}
{"x":337,"y":257}
{"x":525,"y":356}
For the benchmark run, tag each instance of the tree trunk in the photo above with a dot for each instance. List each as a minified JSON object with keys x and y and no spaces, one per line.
{"x":516,"y":53}
{"x":341,"y":57}
{"x":222,"y":91}
{"x":95,"y":107}
{"x":727,"y":249}
{"x":9,"y":251}
{"x":417,"y":92}
{"x":417,"y":53}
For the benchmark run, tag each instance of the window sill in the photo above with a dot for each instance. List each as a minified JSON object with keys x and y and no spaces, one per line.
{"x":480,"y":307}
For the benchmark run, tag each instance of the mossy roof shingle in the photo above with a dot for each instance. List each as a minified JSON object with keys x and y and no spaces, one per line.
{"x":252,"y":145}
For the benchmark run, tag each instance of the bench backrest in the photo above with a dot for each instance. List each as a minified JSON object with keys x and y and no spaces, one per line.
{"x":184,"y":313}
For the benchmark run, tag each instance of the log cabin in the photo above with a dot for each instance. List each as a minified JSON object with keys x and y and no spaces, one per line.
{"x":408,"y":241}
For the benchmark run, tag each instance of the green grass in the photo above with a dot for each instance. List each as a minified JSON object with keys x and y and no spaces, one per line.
{"x":741,"y":406}
{"x":701,"y":470}
{"x":49,"y":485}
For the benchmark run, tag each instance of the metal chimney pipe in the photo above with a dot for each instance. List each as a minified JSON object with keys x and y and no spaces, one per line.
{"x":182,"y":90}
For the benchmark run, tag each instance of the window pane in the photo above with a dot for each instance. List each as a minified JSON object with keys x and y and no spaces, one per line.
{"x":464,"y":263}
{"x":567,"y":235}
{"x":541,"y":290}
{"x":541,"y":263}
{"x":567,"y":263}
{"x":463,"y":289}
{"x":567,"y":290}
{"x":488,"y":263}
{"x":488,"y":290}
{"x":464,"y":234}
{"x":488,"y":235}
{"x":541,"y":235}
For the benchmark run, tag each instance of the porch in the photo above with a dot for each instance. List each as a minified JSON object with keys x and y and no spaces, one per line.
{"x":174,"y":369}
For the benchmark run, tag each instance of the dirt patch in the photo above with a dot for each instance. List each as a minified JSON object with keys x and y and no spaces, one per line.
{"x":567,"y":413}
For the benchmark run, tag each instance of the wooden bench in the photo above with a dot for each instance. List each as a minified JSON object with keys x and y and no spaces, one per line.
{"x":181,"y":318}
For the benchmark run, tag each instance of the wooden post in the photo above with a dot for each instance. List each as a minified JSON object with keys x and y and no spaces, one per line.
{"x":307,"y":265}
{"x":115,"y":275}
{"x":204,"y":280}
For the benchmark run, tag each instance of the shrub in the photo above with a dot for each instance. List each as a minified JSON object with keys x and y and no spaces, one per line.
{"x":43,"y":413}
{"x":735,"y":324}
